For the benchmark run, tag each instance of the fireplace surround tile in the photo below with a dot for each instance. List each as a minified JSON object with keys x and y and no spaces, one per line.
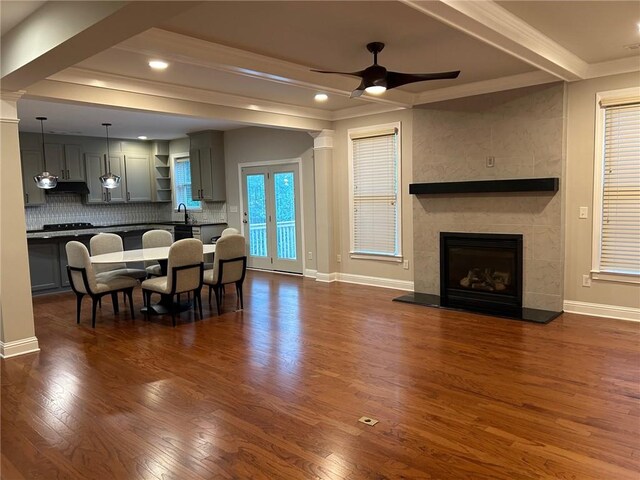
{"x":526,"y":137}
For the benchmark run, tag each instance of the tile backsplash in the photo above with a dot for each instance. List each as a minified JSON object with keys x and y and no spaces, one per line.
{"x":62,"y":208}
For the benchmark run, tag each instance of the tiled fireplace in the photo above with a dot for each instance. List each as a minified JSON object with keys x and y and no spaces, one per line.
{"x":521,"y":132}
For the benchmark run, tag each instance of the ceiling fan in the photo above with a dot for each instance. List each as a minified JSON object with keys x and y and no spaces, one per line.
{"x":376,"y":79}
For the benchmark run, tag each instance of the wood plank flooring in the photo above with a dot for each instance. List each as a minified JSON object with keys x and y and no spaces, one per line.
{"x":275,"y":391}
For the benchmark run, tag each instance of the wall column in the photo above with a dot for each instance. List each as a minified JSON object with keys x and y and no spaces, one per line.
{"x":17,"y":332}
{"x":323,"y":169}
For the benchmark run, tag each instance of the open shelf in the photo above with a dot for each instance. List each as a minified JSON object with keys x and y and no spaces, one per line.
{"x":487,"y":186}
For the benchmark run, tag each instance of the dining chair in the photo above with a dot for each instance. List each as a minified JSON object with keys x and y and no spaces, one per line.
{"x":85,"y":281}
{"x":110,"y":243}
{"x":153,"y":239}
{"x":229,"y":231}
{"x":229,"y":266}
{"x":184,"y":274}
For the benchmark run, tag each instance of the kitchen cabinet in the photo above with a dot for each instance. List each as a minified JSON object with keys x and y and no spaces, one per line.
{"x":32,"y":165}
{"x":65,"y":161}
{"x":206,"y":159}
{"x":138,"y":178}
{"x":44,"y":266}
{"x":134,"y":173}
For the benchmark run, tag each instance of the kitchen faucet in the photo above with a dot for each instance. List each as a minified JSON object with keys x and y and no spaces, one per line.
{"x":186,"y":214}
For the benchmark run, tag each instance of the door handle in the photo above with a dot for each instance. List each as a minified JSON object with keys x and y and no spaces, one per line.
{"x":27,"y":197}
{"x":128,"y":196}
{"x":68,"y":175}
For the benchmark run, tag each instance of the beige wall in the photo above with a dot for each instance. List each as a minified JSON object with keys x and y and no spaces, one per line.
{"x":580,"y":162}
{"x":342,"y":233}
{"x":257,"y":144}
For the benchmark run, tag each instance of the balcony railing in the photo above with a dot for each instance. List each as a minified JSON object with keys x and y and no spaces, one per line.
{"x":285,"y":240}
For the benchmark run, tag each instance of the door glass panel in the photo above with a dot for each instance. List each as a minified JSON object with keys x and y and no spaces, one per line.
{"x":257,"y":213}
{"x":285,"y":215}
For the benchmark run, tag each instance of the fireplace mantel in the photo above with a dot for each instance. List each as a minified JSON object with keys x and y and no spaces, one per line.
{"x":550,"y":184}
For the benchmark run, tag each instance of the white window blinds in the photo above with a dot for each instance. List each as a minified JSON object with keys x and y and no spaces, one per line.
{"x":375,"y":195}
{"x":182,"y":184}
{"x":620,"y":239}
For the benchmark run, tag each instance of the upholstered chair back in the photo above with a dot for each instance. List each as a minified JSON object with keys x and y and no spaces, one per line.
{"x":78,"y":256}
{"x":184,"y":252}
{"x":156,"y":238}
{"x":229,"y":231}
{"x":106,"y":243}
{"x":228,"y":247}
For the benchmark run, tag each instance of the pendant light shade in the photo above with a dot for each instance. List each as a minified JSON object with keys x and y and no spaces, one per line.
{"x":45,"y":180}
{"x":109,"y":180}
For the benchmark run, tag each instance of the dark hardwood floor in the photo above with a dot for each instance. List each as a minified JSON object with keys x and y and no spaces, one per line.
{"x":275,"y":392}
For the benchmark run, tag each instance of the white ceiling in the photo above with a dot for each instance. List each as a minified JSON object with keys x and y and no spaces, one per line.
{"x":13,"y":12}
{"x":258,"y":56}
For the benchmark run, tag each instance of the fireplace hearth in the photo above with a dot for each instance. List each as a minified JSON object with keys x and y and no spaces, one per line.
{"x":483,"y":273}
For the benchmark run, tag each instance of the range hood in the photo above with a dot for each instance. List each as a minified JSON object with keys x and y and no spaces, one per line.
{"x":70,"y":187}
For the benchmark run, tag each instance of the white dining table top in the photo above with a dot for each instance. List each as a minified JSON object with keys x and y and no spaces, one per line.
{"x":142,"y":254}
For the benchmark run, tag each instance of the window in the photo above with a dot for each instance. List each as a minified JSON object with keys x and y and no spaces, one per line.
{"x":374,"y":175}
{"x":616,"y":248}
{"x":182,"y":183}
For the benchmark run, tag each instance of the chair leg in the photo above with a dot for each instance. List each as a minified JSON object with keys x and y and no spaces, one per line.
{"x":78,"y":307}
{"x":173,"y":315}
{"x":114,"y":300}
{"x":217,"y":294}
{"x":210,"y":288}
{"x":129,"y":293}
{"x":239,"y":293}
{"x":94,"y":304}
{"x":100,"y":302}
{"x":146,"y":295}
{"x":199,"y":295}
{"x":124,"y":298}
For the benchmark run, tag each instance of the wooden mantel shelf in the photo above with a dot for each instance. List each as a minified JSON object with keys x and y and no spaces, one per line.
{"x":550,"y":184}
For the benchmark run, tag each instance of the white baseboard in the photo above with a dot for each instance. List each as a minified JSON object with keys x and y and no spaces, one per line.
{"x":600,"y":310}
{"x":326,"y":277}
{"x":310,"y":273}
{"x":19,"y":347}
{"x":376,"y":281}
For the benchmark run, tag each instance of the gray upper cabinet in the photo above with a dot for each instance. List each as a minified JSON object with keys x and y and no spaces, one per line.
{"x":65,"y":161}
{"x":138,"y":178}
{"x":32,"y":165}
{"x":73,"y":163}
{"x":135,"y":183}
{"x":207,"y":166}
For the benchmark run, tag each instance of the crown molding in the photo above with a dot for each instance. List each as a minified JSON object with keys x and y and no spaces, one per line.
{"x":193,"y":51}
{"x":614,"y":67}
{"x":489,"y":22}
{"x":363,"y":111}
{"x":486,"y":86}
{"x":123,"y":83}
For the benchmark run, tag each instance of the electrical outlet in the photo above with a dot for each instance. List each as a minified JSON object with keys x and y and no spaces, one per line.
{"x":491,"y":162}
{"x":310,"y":256}
{"x":586,"y":280}
{"x":338,"y":258}
{"x":405,"y":264}
{"x":368,"y":421}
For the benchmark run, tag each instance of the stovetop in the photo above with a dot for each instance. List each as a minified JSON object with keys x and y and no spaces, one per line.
{"x":67,"y":226}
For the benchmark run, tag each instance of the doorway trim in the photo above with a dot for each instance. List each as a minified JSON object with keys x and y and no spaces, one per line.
{"x":285,"y":161}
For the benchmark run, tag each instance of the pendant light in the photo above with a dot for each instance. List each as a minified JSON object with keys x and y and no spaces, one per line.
{"x":45,"y":180}
{"x":109,"y":180}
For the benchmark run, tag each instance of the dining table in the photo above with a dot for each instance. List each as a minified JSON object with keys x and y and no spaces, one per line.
{"x":158,"y":254}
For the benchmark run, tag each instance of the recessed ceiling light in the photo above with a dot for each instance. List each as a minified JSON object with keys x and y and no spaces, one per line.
{"x":142,"y":137}
{"x":158,"y":64}
{"x":321,"y":97}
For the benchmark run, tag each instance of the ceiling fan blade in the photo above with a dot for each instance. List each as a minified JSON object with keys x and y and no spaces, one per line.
{"x":353,"y":74}
{"x":358,"y":91}
{"x":397,"y":79}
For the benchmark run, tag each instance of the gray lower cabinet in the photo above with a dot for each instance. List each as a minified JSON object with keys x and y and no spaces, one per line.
{"x":44,"y":266}
{"x":48,"y":259}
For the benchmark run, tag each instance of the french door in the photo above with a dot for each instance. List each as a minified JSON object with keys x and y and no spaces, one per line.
{"x":271,"y":217}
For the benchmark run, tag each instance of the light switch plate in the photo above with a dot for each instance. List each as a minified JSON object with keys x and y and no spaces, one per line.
{"x":584,"y":212}
{"x":491,"y":162}
{"x":233,"y":208}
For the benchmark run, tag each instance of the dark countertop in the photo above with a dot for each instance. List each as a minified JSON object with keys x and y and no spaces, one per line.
{"x":121,"y":227}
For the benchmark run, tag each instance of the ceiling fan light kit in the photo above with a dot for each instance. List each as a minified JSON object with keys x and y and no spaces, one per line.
{"x":108,"y":180}
{"x":45,"y":180}
{"x":376,"y":79}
